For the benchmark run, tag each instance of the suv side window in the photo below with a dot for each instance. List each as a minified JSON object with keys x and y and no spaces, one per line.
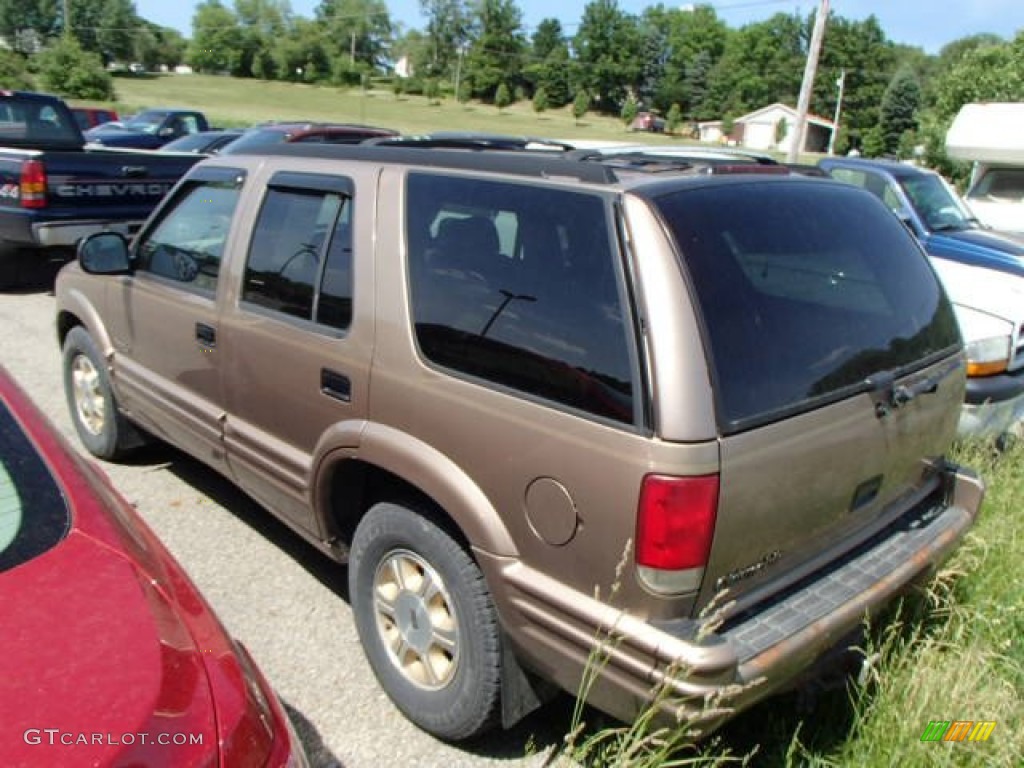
{"x":520,"y":286}
{"x":187,"y":242}
{"x":300,"y":255}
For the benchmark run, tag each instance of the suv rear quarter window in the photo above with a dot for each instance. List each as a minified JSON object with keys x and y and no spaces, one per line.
{"x":806,"y":289}
{"x":519,"y":286}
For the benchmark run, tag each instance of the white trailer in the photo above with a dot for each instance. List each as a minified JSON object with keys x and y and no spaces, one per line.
{"x":991,"y":135}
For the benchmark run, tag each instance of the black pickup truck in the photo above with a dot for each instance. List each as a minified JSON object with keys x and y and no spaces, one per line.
{"x":54,"y":190}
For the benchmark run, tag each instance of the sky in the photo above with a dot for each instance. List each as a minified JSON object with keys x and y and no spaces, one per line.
{"x":929,"y":24}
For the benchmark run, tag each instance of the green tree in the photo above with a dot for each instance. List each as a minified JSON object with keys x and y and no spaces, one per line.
{"x":781,"y":131}
{"x":155,"y":46}
{"x":694,"y":41}
{"x":673,"y":119}
{"x":502,"y":96}
{"x":86,"y":19}
{"x":447,"y":31}
{"x":495,"y":54}
{"x":540,"y":101}
{"x":302,"y":52}
{"x":985,"y":73}
{"x":358,"y":31}
{"x":24,"y":24}
{"x":217,"y":38}
{"x":550,"y":65}
{"x":630,"y":109}
{"x":66,"y":69}
{"x":899,"y":108}
{"x":761,"y":64}
{"x":861,"y":49}
{"x":465,"y":91}
{"x":580,"y":105}
{"x":432,"y":91}
{"x":119,"y":28}
{"x":14,"y":74}
{"x":608,"y":53}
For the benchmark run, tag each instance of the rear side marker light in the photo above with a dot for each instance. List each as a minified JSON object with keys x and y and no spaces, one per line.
{"x":33,"y":184}
{"x":674,"y":529}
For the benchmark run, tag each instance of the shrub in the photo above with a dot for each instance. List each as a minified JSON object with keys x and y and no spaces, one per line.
{"x":540,"y":100}
{"x":66,"y":69}
{"x":629,"y":111}
{"x":580,"y":105}
{"x":502,"y":97}
{"x":14,"y":72}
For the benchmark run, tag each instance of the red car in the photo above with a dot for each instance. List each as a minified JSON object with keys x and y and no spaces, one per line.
{"x":109,"y":655}
{"x":90,"y":117}
{"x":304,"y":133}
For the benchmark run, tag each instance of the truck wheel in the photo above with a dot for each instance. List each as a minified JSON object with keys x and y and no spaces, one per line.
{"x":426,"y":621}
{"x":101,"y":427}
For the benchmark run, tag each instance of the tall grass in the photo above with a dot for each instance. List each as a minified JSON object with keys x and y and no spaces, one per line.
{"x":954,"y":652}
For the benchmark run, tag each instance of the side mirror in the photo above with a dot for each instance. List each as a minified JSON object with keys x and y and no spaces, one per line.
{"x":166,"y":132}
{"x":104,"y":253}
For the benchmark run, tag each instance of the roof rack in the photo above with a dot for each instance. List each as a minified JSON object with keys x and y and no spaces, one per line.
{"x":513,"y":161}
{"x":470,"y":140}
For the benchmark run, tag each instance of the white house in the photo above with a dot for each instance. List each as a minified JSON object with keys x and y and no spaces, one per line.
{"x":710,"y":131}
{"x":773,"y":128}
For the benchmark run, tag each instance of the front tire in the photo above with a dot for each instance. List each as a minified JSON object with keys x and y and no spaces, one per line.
{"x":101,"y":427}
{"x":426,"y":621}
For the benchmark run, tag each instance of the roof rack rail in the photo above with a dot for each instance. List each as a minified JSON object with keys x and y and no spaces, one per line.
{"x":471,"y":140}
{"x":513,"y":161}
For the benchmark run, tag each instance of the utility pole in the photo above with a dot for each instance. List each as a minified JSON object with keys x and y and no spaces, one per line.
{"x":841,"y":82}
{"x":458,"y":69}
{"x":67,"y":19}
{"x":807,"y":87}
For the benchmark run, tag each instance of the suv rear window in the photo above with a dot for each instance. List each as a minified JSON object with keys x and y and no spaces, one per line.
{"x":33,"y":514}
{"x":806,"y":289}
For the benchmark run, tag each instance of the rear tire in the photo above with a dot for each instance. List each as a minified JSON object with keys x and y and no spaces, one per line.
{"x":426,"y":621}
{"x":101,"y":427}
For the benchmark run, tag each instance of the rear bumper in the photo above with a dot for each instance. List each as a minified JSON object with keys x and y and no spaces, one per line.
{"x":992,"y":405}
{"x":25,"y":230}
{"x":558,"y":629}
{"x":58,"y":234}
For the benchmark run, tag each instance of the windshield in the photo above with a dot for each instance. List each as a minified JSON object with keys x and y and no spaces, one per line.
{"x":33,"y":514}
{"x":259,"y":137}
{"x":145,"y":122}
{"x":806,"y":289}
{"x":937,"y":205}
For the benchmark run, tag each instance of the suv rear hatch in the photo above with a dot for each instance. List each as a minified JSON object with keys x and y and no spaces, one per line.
{"x":837,"y":370}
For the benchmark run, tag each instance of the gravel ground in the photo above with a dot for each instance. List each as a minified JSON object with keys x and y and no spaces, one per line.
{"x":281,"y":598}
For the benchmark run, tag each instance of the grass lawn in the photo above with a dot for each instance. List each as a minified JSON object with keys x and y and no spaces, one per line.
{"x":240,"y":102}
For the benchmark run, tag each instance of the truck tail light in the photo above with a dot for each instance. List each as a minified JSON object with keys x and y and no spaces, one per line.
{"x":674,"y":527}
{"x":33,"y":184}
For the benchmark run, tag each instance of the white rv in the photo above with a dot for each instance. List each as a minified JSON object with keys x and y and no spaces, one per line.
{"x":992,"y":137}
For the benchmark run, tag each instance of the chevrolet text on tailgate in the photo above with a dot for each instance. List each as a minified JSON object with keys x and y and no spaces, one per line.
{"x":54,"y":190}
{"x":492,"y":381}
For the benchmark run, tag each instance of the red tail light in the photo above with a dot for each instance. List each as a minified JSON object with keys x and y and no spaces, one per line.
{"x":674,"y":527}
{"x":33,"y":184}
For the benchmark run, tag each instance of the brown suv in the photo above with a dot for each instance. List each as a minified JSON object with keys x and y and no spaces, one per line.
{"x":493,"y":381}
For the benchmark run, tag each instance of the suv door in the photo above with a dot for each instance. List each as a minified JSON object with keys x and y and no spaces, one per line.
{"x":164,"y":323}
{"x":297,"y":359}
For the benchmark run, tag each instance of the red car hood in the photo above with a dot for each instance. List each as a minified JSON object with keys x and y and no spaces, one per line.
{"x":98,"y":668}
